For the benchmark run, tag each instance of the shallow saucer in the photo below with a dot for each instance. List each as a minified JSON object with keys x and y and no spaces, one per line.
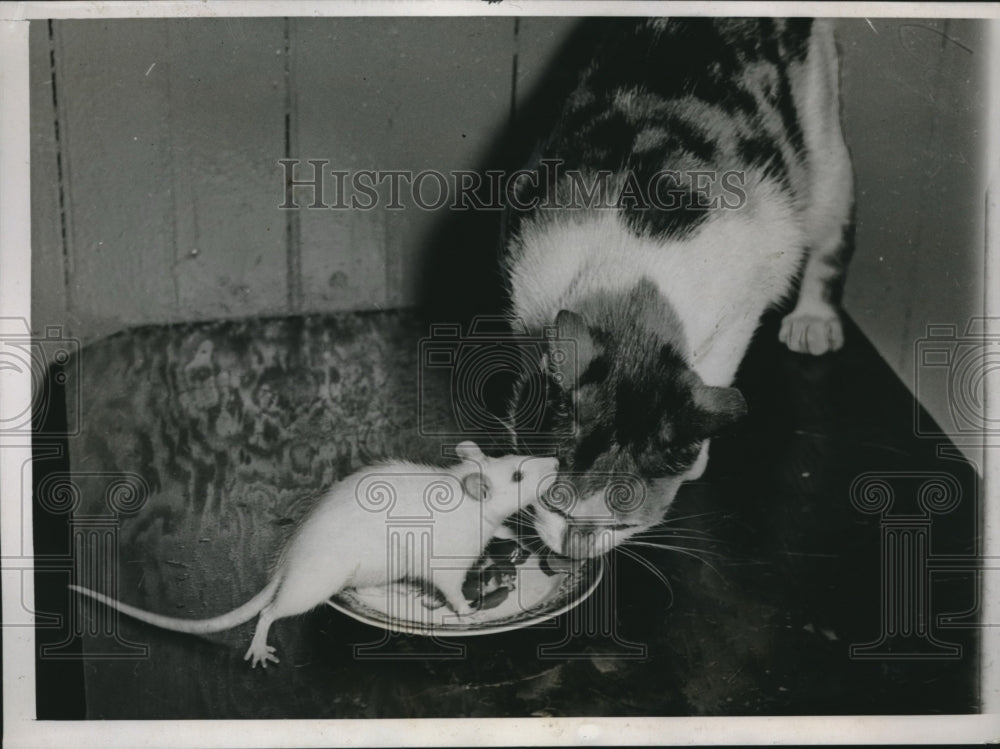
{"x":510,"y":588}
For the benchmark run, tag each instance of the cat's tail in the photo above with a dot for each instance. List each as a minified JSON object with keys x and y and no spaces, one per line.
{"x":231,"y":619}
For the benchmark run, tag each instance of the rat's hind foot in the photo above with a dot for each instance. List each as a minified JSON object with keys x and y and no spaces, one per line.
{"x":261,"y":653}
{"x":812,"y":331}
{"x":259,"y":650}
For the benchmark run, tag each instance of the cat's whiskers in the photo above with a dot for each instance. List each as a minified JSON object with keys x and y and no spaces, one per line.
{"x":661,"y":532}
{"x":678,"y":518}
{"x":672,"y":537}
{"x":698,"y":554}
{"x":672,"y":547}
{"x":523,"y":528}
{"x":657,"y":573}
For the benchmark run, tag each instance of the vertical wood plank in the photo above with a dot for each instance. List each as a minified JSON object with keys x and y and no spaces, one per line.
{"x":48,"y":290}
{"x":226,"y":80}
{"x":337,"y":117}
{"x":114,"y":126}
{"x":437,"y":99}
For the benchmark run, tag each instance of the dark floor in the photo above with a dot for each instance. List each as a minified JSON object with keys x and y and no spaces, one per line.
{"x":808,"y":596}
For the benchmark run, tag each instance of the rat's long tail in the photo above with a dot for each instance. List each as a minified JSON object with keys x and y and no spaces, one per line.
{"x":231,"y":619}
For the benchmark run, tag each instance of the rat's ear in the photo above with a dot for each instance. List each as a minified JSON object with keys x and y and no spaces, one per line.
{"x":477,"y":486}
{"x":468,"y":450}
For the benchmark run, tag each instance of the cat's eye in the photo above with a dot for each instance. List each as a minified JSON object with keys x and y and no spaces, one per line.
{"x":517,"y":477}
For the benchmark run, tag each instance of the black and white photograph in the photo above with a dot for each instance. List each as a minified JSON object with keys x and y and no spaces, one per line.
{"x":574,"y":368}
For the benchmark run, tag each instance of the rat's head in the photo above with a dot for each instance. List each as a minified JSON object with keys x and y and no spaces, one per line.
{"x":505,"y":485}
{"x":631,"y":420}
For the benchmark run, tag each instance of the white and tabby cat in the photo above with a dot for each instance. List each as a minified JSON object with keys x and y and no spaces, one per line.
{"x":662,"y":302}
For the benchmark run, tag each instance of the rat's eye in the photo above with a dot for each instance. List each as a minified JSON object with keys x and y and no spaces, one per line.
{"x":516,"y":478}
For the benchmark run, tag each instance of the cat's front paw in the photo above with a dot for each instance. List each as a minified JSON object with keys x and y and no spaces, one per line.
{"x":812,"y":331}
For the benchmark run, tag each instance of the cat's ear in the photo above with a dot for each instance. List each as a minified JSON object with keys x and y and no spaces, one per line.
{"x":572,"y":350}
{"x":715,"y":410}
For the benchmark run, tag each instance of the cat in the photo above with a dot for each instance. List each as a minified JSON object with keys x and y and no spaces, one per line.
{"x":658,"y":276}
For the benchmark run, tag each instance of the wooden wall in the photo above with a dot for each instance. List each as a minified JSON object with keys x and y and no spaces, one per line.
{"x":914,"y":117}
{"x":155,"y":151}
{"x":914,"y":95}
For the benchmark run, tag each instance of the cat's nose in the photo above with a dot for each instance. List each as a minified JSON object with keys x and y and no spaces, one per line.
{"x":585,"y":542}
{"x":578,"y":543}
{"x":551,"y":529}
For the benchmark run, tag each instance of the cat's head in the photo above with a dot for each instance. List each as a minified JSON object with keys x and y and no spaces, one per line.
{"x":631,"y":422}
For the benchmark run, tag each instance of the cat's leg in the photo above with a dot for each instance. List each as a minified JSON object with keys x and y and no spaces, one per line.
{"x":814,"y":325}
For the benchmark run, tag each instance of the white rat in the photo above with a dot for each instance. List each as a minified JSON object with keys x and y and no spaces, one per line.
{"x":343,"y":541}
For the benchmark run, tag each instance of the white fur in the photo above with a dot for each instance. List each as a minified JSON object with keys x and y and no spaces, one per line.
{"x":345,"y":540}
{"x":738,"y":263}
{"x":719,"y":281}
{"x":814,"y":325}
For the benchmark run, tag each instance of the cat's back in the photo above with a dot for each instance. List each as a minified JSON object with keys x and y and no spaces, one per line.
{"x":689,"y":94}
{"x":682,"y":151}
{"x":708,"y":57}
